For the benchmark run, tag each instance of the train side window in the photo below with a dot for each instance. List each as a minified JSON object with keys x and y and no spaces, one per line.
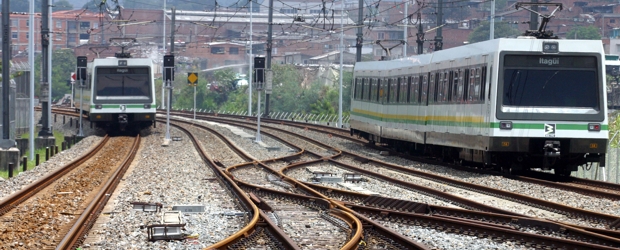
{"x":379,"y":91}
{"x":450,"y":87}
{"x":366,"y":89}
{"x":478,"y":81}
{"x":413,"y":89}
{"x":356,"y":89}
{"x":424,"y":90}
{"x":490,"y":82}
{"x":466,"y":85}
{"x":404,"y":90}
{"x":472,"y":85}
{"x":374,"y":89}
{"x":384,"y":91}
{"x":393,"y":91}
{"x":483,"y":82}
{"x":442,"y":87}
{"x":454,"y":91}
{"x":431,"y":88}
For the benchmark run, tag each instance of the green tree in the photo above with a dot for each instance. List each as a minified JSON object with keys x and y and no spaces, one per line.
{"x":63,"y":63}
{"x":584,"y":32}
{"x":481,"y":33}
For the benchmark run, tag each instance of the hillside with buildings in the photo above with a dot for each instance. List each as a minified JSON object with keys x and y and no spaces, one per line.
{"x":304,"y":32}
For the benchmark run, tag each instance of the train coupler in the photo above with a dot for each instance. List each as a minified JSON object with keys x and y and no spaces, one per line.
{"x":123,"y":119}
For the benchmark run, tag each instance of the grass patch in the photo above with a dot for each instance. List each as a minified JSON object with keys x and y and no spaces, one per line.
{"x":59,"y":139}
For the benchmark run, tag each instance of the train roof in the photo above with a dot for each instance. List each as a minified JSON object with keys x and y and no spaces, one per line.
{"x":490,"y":47}
{"x":113,"y":61}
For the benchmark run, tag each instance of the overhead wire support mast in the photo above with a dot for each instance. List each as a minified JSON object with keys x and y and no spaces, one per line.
{"x":541,"y":33}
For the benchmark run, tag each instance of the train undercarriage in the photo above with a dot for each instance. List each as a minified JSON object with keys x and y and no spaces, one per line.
{"x":540,"y":153}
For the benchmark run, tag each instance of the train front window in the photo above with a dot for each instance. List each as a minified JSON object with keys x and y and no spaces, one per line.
{"x":550,"y":88}
{"x":131,"y":83}
{"x":550,"y":82}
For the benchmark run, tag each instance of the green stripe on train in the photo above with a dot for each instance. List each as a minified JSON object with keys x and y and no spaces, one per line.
{"x":117,"y":106}
{"x":422,"y":121}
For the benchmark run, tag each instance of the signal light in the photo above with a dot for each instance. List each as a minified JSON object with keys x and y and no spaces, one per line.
{"x":594,"y":127}
{"x":505,"y":125}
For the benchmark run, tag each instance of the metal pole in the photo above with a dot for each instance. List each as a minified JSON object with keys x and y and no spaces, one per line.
{"x":80,"y":132}
{"x":492,"y":23}
{"x":405,"y":30}
{"x":534,"y":17}
{"x":269,"y":50}
{"x":258,"y":139}
{"x":31,"y":94}
{"x":45,"y":88}
{"x":341,"y":55}
{"x":360,"y":36}
{"x":251,"y":59}
{"x":163,"y":84}
{"x":194,"y":101}
{"x":168,"y":112}
{"x":438,"y":35}
{"x":6,"y":67}
{"x":49,"y":71}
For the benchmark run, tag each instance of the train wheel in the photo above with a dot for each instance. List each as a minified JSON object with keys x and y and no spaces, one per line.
{"x":562,"y":171}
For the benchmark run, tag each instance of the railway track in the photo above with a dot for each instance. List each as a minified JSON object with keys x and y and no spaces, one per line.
{"x":265,"y":230}
{"x":364,"y":160}
{"x":58,"y":208}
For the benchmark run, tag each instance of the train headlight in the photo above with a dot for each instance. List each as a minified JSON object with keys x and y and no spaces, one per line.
{"x":505,"y":125}
{"x":98,"y":106}
{"x":147,"y":106}
{"x":594,"y":127}
{"x":551,"y":47}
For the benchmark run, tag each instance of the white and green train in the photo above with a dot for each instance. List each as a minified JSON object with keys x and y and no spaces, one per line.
{"x":514,"y":104}
{"x":119,"y":93}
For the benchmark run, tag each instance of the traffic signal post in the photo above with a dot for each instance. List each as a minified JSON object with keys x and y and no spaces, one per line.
{"x":168,"y":78}
{"x":81,"y":76}
{"x":259,"y":70}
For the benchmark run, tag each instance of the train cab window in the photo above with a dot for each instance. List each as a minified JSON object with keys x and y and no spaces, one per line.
{"x":132,"y":83}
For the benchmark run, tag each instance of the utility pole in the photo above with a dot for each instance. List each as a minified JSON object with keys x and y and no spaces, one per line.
{"x":438,"y":36}
{"x":32,"y":76}
{"x":492,"y":23}
{"x":46,"y":131}
{"x":250,"y":60}
{"x":339,"y":125}
{"x":268,"y":59}
{"x":405,"y":29}
{"x":534,"y":17}
{"x":163,"y":84}
{"x":6,"y":67}
{"x":420,"y":34}
{"x":360,"y":35}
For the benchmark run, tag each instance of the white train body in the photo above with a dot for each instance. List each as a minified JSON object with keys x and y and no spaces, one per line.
{"x":119,"y":92}
{"x":503,"y":98}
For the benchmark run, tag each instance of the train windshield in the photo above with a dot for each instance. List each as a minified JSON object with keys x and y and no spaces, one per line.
{"x":131,"y":83}
{"x":551,"y":81}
